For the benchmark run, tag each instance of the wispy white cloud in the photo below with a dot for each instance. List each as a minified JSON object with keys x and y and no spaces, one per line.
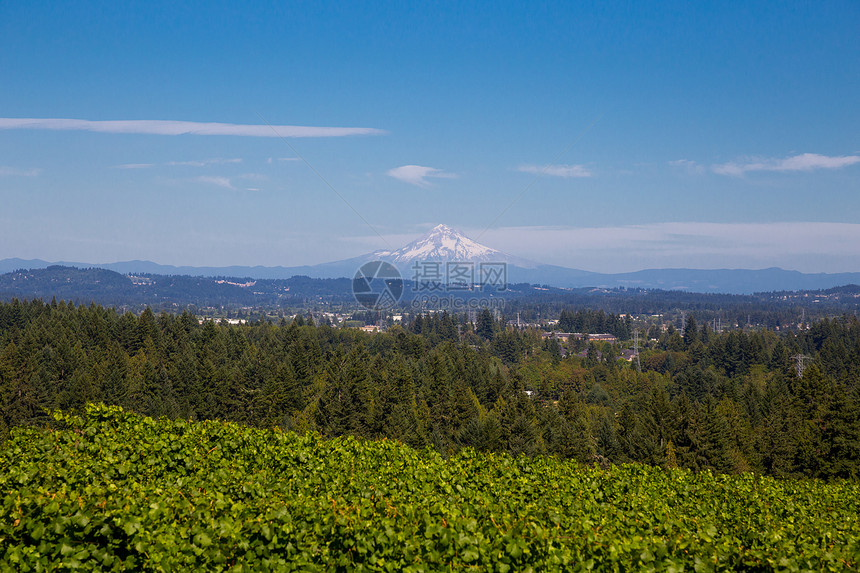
{"x":12,"y":171}
{"x":557,"y":170}
{"x":802,"y":162}
{"x":215,"y":180}
{"x":688,"y":165}
{"x":203,"y":162}
{"x":135,"y":166}
{"x":228,"y":182}
{"x":167,"y":127}
{"x":418,"y":175}
{"x":254,"y":176}
{"x":192,"y":163}
{"x":273,"y":159}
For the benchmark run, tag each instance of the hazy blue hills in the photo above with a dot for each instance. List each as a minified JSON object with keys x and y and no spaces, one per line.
{"x":176,"y":292}
{"x":144,"y":267}
{"x":108,"y":287}
{"x":735,"y":281}
{"x":730,"y":281}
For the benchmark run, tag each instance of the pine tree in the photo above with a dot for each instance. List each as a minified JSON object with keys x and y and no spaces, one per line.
{"x":671,"y":460}
{"x":485,"y":327}
{"x":570,"y":436}
{"x":840,"y":434}
{"x":691,"y":332}
{"x":715,"y":437}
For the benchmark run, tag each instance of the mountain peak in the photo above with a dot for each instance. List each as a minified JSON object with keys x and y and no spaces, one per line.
{"x":444,"y":243}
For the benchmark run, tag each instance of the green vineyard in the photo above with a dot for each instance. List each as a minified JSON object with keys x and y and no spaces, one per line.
{"x":110,"y":490}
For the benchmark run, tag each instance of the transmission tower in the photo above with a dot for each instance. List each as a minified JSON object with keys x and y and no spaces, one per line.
{"x":798,"y":365}
{"x":636,"y":349}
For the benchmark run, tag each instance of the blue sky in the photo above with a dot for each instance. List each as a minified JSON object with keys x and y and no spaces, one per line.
{"x":606,"y":136}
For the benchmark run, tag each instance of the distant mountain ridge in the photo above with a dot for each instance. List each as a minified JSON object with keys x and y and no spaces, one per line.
{"x":442,"y":243}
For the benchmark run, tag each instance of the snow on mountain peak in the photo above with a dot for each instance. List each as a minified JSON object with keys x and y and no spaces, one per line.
{"x":443,"y":243}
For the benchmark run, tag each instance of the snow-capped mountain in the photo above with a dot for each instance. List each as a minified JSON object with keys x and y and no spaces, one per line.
{"x":443,"y":243}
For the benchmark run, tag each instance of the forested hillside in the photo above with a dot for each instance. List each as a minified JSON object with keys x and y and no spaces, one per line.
{"x":730,"y":402}
{"x":235,"y":296}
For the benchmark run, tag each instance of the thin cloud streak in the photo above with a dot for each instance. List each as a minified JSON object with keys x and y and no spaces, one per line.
{"x":565,"y":171}
{"x":687,"y":165}
{"x":215,"y":180}
{"x":194,"y":163}
{"x":418,"y":175}
{"x":168,"y":127}
{"x":202,"y":162}
{"x":13,"y":172}
{"x":802,"y":162}
{"x":134,"y":166}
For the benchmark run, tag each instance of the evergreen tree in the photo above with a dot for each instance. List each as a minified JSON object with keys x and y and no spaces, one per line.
{"x":569,"y":435}
{"x":691,"y":332}
{"x":715,"y":437}
{"x":485,"y":327}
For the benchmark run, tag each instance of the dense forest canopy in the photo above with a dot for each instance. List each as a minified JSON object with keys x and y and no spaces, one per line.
{"x":731,"y":402}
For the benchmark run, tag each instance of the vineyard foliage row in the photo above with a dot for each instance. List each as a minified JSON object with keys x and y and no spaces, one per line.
{"x":110,"y":490}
